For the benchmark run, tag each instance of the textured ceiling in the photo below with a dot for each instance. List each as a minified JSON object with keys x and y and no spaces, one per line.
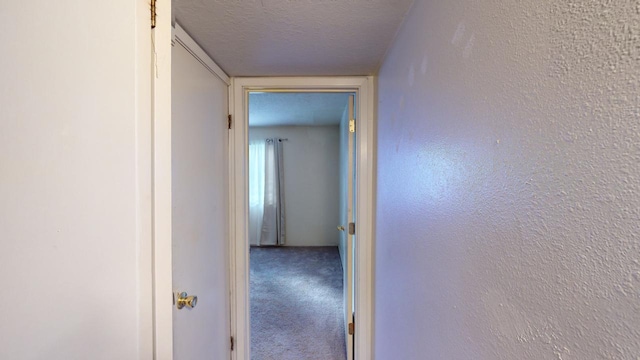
{"x":308,"y":109}
{"x":293,"y":37}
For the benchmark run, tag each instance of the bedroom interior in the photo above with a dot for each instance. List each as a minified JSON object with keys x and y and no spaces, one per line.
{"x":296,"y":191}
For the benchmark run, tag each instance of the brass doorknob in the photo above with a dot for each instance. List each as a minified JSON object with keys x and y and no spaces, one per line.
{"x":341,"y":228}
{"x":186,"y":300}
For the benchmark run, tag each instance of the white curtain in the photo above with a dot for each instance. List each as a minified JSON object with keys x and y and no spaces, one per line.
{"x":273,"y":219}
{"x":256,"y":189}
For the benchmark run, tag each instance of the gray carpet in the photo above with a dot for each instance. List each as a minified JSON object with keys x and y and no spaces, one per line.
{"x":296,"y":304}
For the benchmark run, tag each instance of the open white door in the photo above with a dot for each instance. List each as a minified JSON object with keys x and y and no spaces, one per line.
{"x":199,"y":159}
{"x":350,"y":232}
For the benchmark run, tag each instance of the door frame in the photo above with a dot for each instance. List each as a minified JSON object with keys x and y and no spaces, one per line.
{"x":162,"y":323}
{"x":238,"y":201}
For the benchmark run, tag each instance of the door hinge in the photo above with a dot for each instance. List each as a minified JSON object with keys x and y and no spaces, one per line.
{"x":232,"y":343}
{"x":352,"y":125}
{"x":153,"y":14}
{"x":229,"y":121}
{"x":352,"y":228}
{"x":352,"y":328}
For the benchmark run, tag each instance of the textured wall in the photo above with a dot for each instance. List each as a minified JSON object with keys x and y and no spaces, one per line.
{"x":508,"y":218}
{"x":311,"y":185}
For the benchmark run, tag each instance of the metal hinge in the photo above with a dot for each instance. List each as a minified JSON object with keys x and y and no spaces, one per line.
{"x":352,"y":228}
{"x":352,"y":125}
{"x":232,"y":343}
{"x":352,"y":328}
{"x":229,"y":122}
{"x":153,"y":14}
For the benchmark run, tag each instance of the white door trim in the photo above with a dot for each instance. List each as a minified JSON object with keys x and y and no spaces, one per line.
{"x":144,"y":191}
{"x":161,"y":147}
{"x":365,"y":158}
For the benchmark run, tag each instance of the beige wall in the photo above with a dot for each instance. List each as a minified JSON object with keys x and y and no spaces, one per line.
{"x":74,"y":181}
{"x":508,"y":221}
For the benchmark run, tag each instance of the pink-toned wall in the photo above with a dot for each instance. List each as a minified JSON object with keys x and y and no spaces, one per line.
{"x":508,"y":216}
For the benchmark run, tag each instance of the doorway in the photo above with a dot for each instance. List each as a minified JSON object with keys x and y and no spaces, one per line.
{"x":240,"y":230}
{"x":301,"y":273}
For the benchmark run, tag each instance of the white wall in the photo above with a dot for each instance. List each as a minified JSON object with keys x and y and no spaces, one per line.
{"x":311,"y":157}
{"x":73,"y":145}
{"x":508,"y":222}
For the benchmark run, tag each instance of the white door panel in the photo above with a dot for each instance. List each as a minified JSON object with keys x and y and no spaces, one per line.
{"x":199,"y":208}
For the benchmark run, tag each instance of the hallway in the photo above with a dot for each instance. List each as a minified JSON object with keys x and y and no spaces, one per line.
{"x":502,"y":153}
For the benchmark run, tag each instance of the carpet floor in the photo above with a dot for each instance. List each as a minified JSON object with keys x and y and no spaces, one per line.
{"x":296,"y":304}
